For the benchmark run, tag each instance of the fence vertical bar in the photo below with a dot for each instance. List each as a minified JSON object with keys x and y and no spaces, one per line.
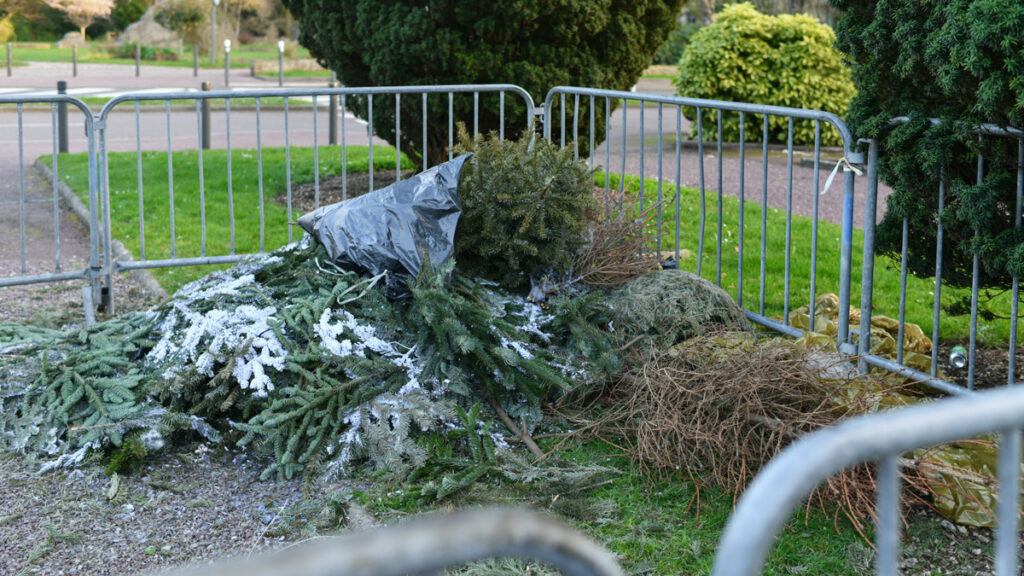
{"x":814,"y":225}
{"x":316,"y":158}
{"x":344,"y":154}
{"x":56,"y":197}
{"x":846,"y":257}
{"x":743,"y":209}
{"x":231,"y":197}
{"x":451,"y":124}
{"x":21,"y":184}
{"x":703,"y":200}
{"x":679,"y":168}
{"x":789,"y":221}
{"x":643,"y":163}
{"x":607,"y":155}
{"x":902,"y":313}
{"x":661,"y":120}
{"x":1007,"y":545}
{"x":937,"y":303}
{"x":501,"y":115}
{"x":590,"y":151}
{"x":200,"y":126}
{"x":170,"y":175}
{"x":975,"y":273}
{"x":259,"y":174}
{"x":476,"y":113}
{"x":547,"y":125}
{"x":369,"y":134}
{"x":888,"y":526}
{"x":1011,"y":369}
{"x":764,"y":213}
{"x":205,"y":87}
{"x":718,"y":251}
{"x":288,"y":167}
{"x":868,"y":263}
{"x":622,"y":168}
{"x":138,"y":58}
{"x":398,"y":137}
{"x":102,"y":170}
{"x":138,"y":178}
{"x":576,"y":127}
{"x":425,"y":162}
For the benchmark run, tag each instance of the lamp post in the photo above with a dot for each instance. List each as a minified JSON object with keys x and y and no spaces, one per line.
{"x":280,"y":62}
{"x":213,"y":31}
{"x":227,"y":62}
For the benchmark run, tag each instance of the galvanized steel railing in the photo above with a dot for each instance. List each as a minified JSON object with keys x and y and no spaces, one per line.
{"x":555,"y":103}
{"x":781,"y":486}
{"x":932,"y":377}
{"x":56,"y":134}
{"x":105,"y":120}
{"x":429,"y":546}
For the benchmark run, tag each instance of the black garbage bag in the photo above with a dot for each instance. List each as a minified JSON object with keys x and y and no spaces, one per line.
{"x":392,"y":228}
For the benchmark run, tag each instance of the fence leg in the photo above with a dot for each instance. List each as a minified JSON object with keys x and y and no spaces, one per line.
{"x":62,"y":119}
{"x":868,"y":268}
{"x":845,"y":259}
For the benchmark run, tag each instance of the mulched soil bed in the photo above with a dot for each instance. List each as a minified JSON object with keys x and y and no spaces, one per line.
{"x":304,"y":195}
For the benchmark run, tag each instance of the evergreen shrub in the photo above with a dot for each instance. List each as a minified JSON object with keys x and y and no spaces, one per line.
{"x":525,"y":207}
{"x":786,"y":60}
{"x":959,"y":62}
{"x":536,"y":45}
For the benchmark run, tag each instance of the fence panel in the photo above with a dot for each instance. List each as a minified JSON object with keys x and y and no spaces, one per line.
{"x":781,"y":486}
{"x":752,"y":128}
{"x":934,"y":376}
{"x":221,"y":165}
{"x":31,"y":242}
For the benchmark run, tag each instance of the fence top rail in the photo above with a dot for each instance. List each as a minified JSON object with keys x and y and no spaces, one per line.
{"x":982,"y":129}
{"x":780,"y":487}
{"x":849,"y":144}
{"x":302,"y":92}
{"x":47,"y":99}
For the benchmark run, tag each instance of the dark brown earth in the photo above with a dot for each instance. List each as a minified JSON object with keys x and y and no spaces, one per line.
{"x":304,"y":196}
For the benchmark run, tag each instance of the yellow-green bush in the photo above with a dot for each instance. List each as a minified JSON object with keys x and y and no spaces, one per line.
{"x":787,"y":60}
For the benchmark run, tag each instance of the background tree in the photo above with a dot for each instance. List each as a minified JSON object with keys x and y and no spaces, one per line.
{"x":534,"y":44}
{"x":82,"y":12}
{"x":959,"y":61}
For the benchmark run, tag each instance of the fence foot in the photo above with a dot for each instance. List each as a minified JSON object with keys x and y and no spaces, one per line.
{"x":90,"y":308}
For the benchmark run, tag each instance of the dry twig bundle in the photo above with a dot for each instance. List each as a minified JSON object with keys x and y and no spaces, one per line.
{"x":613,"y":253}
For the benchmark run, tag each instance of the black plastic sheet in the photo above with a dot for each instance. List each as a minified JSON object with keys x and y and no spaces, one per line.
{"x":393,"y":228}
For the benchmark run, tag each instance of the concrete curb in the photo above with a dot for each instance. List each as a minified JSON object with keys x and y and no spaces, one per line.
{"x":120,"y":253}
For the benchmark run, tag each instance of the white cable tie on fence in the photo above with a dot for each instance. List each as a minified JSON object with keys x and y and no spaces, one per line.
{"x":841,"y":162}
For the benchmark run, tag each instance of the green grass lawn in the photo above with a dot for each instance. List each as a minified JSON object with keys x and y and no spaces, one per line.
{"x":124,"y":199}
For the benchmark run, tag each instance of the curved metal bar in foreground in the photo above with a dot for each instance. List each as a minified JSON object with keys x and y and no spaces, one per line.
{"x":786,"y":481}
{"x":429,"y":545}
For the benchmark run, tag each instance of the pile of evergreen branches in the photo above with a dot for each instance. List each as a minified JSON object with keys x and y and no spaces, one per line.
{"x":312,"y":365}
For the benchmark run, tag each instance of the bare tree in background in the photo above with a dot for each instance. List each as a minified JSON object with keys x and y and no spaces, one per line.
{"x":82,"y":13}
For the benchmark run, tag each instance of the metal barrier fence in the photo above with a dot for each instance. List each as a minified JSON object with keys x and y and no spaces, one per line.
{"x":556,"y":106}
{"x":144,"y":122}
{"x":39,"y":215}
{"x":985,"y":131}
{"x":429,"y":546}
{"x":786,"y":481}
{"x":197,"y":138}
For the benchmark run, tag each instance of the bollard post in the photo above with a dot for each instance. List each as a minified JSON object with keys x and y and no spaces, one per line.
{"x":227,"y":62}
{"x":74,"y":61}
{"x":333,"y":124}
{"x":280,"y":62}
{"x":195,"y":60}
{"x":181,"y":47}
{"x":8,"y":59}
{"x":205,"y":105}
{"x":138,"y":57}
{"x":252,"y":68}
{"x":62,"y":118}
